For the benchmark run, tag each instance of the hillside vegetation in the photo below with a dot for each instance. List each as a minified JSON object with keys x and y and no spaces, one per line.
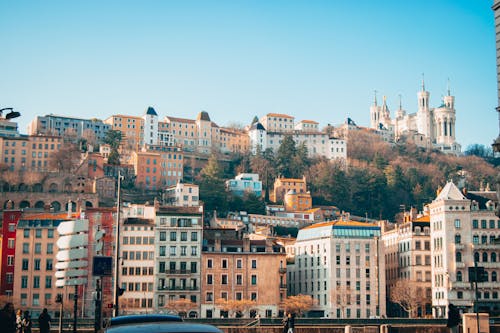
{"x":379,"y":180}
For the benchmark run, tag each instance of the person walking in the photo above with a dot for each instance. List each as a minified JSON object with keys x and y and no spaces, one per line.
{"x":19,"y":321}
{"x":27,"y":324}
{"x":8,"y":318}
{"x":291,"y":322}
{"x":285,"y":322}
{"x":44,"y":321}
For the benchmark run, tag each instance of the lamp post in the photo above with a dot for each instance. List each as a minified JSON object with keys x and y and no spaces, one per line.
{"x":476,"y":279}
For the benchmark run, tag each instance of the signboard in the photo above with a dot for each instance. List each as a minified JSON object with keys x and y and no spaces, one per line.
{"x":101,"y":266}
{"x":71,"y":273}
{"x":73,"y":254}
{"x":73,"y":227}
{"x":71,"y":264}
{"x":71,"y":282}
{"x":69,"y":241}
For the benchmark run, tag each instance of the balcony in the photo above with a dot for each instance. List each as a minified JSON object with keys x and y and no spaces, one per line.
{"x":282,"y":286}
{"x":282,"y":270}
{"x":178,"y":271}
{"x":173,"y":288}
{"x":460,"y":265}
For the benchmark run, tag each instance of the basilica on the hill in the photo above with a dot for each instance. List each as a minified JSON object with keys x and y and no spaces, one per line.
{"x":432,"y":128}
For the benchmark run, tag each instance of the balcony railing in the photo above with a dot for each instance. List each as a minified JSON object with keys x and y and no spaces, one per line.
{"x":282,"y":270}
{"x":178,"y":271}
{"x":170,"y":288}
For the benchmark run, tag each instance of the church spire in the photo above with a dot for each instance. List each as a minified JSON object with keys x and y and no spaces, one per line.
{"x":400,"y":103}
{"x":448,"y":87}
{"x":423,"y":82}
{"x":375,"y":98}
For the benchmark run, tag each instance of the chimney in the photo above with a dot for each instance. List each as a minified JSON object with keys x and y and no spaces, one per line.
{"x":246,"y":243}
{"x":217,"y":244}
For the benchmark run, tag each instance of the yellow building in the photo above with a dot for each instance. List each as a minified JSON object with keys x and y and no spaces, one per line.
{"x":297,"y":201}
{"x":284,"y":185}
{"x":131,"y":128}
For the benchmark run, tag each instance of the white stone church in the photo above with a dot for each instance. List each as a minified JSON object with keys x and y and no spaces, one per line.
{"x":431,"y":128}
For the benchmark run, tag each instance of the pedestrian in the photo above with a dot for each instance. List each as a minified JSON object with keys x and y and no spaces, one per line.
{"x":19,"y":321}
{"x":27,"y":324}
{"x":291,"y":322}
{"x":285,"y":321}
{"x":44,"y":321}
{"x":8,"y":318}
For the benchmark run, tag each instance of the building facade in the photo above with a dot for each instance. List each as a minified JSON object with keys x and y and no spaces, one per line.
{"x":245,"y":183}
{"x":464,"y":234}
{"x":178,"y":242}
{"x":340,"y":264}
{"x":182,"y":194}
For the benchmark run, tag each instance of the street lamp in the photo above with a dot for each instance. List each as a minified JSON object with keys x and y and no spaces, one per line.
{"x":12,"y":114}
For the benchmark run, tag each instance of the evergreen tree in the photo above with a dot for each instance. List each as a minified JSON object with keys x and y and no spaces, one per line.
{"x":212,"y":187}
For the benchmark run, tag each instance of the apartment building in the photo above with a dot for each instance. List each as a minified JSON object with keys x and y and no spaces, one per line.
{"x":464,"y":234}
{"x":284,"y":185}
{"x":138,"y":259}
{"x":408,"y":257}
{"x":235,"y":268}
{"x":340,"y":264}
{"x":182,"y":194}
{"x":178,"y":242}
{"x":245,"y":183}
{"x":131,"y":127}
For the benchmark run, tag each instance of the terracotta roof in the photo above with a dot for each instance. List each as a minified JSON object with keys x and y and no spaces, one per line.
{"x":179,"y":120}
{"x":278,"y":115}
{"x":309,"y":121}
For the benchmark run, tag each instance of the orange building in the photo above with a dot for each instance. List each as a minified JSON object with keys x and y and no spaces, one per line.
{"x":31,"y":153}
{"x":158,"y":166}
{"x":297,"y":201}
{"x":131,"y":128}
{"x":233,"y":140}
{"x":284,"y":185}
{"x":242,"y":269}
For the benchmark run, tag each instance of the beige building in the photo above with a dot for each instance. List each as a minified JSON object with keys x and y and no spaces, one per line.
{"x":242,"y":269}
{"x":407,"y":253}
{"x":183,"y":195}
{"x":131,"y":127}
{"x":464,"y":233}
{"x":137,"y":252}
{"x":341,"y":265}
{"x":277,"y":122}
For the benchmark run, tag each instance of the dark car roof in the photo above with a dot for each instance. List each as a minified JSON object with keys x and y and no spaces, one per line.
{"x":164,"y":327}
{"x":143,"y":318}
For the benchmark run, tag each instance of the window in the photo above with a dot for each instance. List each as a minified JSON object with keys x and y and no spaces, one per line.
{"x":483,"y":224}
{"x":458,"y":239}
{"x":25,"y":264}
{"x":224,"y":263}
{"x":36,"y":282}
{"x":194,"y":236}
{"x":163,"y":236}
{"x":38,"y":248}
{"x":48,"y":282}
{"x":26,"y":248}
{"x":459,"y":276}
{"x":209,"y":263}
{"x":184,"y":236}
{"x":10,"y":260}
{"x":172,"y":250}
{"x":457,"y":224}
{"x":238,"y":263}
{"x":24,"y":281}
{"x":254,"y":280}
{"x":254,"y":263}
{"x":38,"y":233}
{"x":458,"y":257}
{"x":239,"y":279}
{"x":209,"y":279}
{"x":209,"y":297}
{"x":475,"y":224}
{"x":50,"y":248}
{"x":50,"y":233}
{"x":224,"y":279}
{"x":173,"y":236}
{"x":37,"y":265}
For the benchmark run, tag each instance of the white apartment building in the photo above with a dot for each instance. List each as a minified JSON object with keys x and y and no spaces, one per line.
{"x":245,"y":183}
{"x":341,"y":265}
{"x":137,"y":253}
{"x":183,"y":195}
{"x":277,"y":122}
{"x":464,"y":232}
{"x":178,"y":242}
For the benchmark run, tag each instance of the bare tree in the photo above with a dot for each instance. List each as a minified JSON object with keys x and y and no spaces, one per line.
{"x":66,"y":159}
{"x":235,"y":306}
{"x":298,"y":304}
{"x":180,"y":306}
{"x":31,"y":178}
{"x":12,"y":178}
{"x":408,"y":295}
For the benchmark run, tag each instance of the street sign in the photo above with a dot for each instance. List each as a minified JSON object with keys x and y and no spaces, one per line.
{"x":73,"y":227}
{"x":70,"y":241}
{"x":73,"y":254}
{"x":71,"y":264}
{"x":71,"y":282}
{"x":70,"y":273}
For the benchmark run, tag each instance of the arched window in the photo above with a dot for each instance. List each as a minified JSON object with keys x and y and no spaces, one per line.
{"x":485,"y":257}
{"x":459,"y":276}
{"x":458,"y":257}
{"x":493,"y":276}
{"x":476,"y":256}
{"x":458,"y":239}
{"x":493,"y":257}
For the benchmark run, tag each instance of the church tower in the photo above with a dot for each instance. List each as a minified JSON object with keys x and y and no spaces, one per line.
{"x":444,"y":120}
{"x":374,"y":113}
{"x":424,"y":125}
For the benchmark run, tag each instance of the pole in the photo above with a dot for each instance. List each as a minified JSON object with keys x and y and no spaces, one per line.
{"x":75,"y":308}
{"x":475,"y":297}
{"x":117,"y":250}
{"x":61,"y":315}
{"x":98,"y":307}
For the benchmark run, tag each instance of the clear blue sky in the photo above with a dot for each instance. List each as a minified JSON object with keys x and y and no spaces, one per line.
{"x":318,"y":60}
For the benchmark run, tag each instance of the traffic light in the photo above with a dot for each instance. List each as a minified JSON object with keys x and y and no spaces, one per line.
{"x":59,"y":298}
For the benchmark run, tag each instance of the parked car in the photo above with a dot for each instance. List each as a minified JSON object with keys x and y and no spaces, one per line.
{"x":155,"y":323}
